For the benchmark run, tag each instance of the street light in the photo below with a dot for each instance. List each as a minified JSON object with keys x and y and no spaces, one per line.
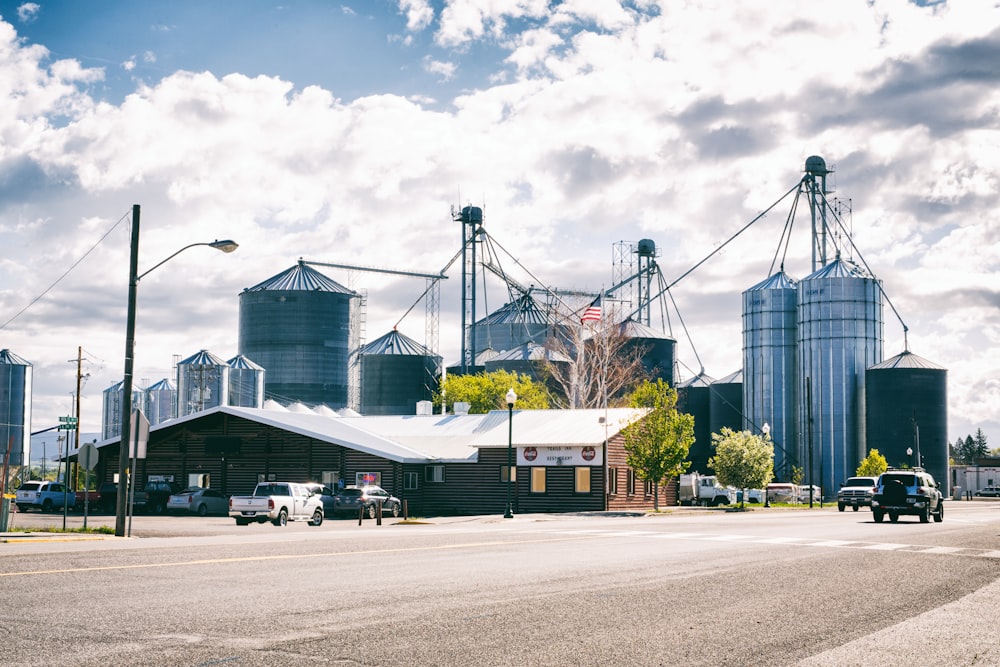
{"x":909,"y":454}
{"x":511,"y":399}
{"x":125,"y":437}
{"x":766,"y":428}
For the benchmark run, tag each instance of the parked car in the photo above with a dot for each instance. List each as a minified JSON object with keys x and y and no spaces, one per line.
{"x":44,"y":495}
{"x":856,"y":493}
{"x":817,"y":495}
{"x":366,"y":499}
{"x":197,"y":500}
{"x":907,"y":491}
{"x":989,"y":492}
{"x":153,"y":498}
{"x":781,"y":492}
{"x":107,"y":495}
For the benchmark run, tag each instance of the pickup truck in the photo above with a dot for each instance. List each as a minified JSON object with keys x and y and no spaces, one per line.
{"x":279,"y":503}
{"x":153,"y":498}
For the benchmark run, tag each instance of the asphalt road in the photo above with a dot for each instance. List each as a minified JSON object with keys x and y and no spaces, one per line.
{"x":776,"y":587}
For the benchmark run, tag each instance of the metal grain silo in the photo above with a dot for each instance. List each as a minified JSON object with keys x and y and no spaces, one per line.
{"x":202,"y":383}
{"x":297,"y":325}
{"x":521,"y":321}
{"x":160,"y":402}
{"x":657,"y":349}
{"x":113,"y":404}
{"x":839,"y":336}
{"x":396,"y":373}
{"x":906,"y":400}
{"x":533,"y":360}
{"x":694,"y":398}
{"x":770,"y":359}
{"x":246,"y":383}
{"x":725,"y":403}
{"x":15,"y":410}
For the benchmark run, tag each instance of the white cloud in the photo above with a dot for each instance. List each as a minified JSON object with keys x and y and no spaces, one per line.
{"x":419,"y":14}
{"x":445,"y":71}
{"x":28,"y":11}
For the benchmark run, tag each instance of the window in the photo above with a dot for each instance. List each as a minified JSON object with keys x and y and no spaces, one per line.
{"x":410,"y":480}
{"x":648,"y":488}
{"x":538,"y":480}
{"x":583,"y":480}
{"x":612,"y":481}
{"x":630,"y":483}
{"x":368,"y":478}
{"x":503,"y":474}
{"x":434,"y":474}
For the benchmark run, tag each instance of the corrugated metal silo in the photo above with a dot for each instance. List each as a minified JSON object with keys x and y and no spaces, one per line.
{"x":530,"y":359}
{"x":297,"y":325}
{"x":160,"y":402}
{"x":111,"y":417}
{"x":907,"y":408}
{"x":658,"y":349}
{"x":770,"y":359}
{"x":725,"y":403}
{"x":694,"y":398}
{"x":15,"y":409}
{"x":396,"y":373}
{"x":202,"y":383}
{"x":839,"y":336}
{"x":246,"y":383}
{"x":521,"y":321}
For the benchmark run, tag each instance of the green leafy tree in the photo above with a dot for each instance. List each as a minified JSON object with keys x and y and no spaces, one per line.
{"x":487,"y":391}
{"x":872,"y":465}
{"x":657,"y":445}
{"x":743,"y":460}
{"x":798,"y":475}
{"x":980,"y":447}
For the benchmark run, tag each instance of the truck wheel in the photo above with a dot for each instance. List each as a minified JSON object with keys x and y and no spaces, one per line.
{"x":282,"y":519}
{"x":939,"y":517}
{"x":893,"y":516}
{"x":877,"y":515}
{"x":370,"y":511}
{"x":158,"y":508}
{"x":47,"y":505}
{"x":317,"y":519}
{"x":242,"y":522}
{"x":856,"y":508}
{"x":203,"y":510}
{"x":925,"y":515}
{"x":840,"y":507}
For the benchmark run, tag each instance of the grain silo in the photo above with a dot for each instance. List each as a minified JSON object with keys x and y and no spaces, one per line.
{"x":769,"y":367}
{"x":657,"y":349}
{"x":202,"y":383}
{"x":160,"y":402}
{"x":113,"y":404}
{"x":396,"y":373}
{"x":533,"y":360}
{"x":839,"y":336}
{"x":725,"y":403}
{"x":15,"y":410}
{"x":246,"y":383}
{"x":517,"y":323}
{"x":297,"y":325}
{"x":694,"y":398}
{"x":906,"y":399}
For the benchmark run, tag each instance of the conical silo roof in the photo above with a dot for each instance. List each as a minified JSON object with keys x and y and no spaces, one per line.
{"x":240,"y":362}
{"x":779,"y":280}
{"x":202,"y":358}
{"x":907,"y":360}
{"x":523,"y":310}
{"x":10,"y":359}
{"x":162,"y":385}
{"x":735,"y":377}
{"x":839,"y":268}
{"x":531,"y":352}
{"x":699,"y":380}
{"x":396,"y":343}
{"x":629,"y":328}
{"x":300,"y":278}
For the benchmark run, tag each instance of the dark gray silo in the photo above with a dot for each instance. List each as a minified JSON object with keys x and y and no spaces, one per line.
{"x":113,"y":404}
{"x":478,"y":365}
{"x":839,"y":336}
{"x":15,"y":410}
{"x":533,"y":360}
{"x":396,"y":373}
{"x":160,"y":402}
{"x":657,"y":349}
{"x":907,"y":408}
{"x":246,"y":383}
{"x":694,"y":398}
{"x":770,"y":359}
{"x":521,"y":321}
{"x":725,"y":407}
{"x":202,"y":383}
{"x":297,"y":325}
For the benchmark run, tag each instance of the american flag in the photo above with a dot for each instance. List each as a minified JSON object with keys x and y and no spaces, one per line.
{"x":593,"y":312}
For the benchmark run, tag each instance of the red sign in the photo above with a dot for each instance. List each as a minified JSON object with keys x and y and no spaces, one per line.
{"x":588,"y":453}
{"x":530,"y":453}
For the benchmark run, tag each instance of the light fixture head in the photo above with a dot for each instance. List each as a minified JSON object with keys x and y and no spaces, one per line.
{"x":511,"y":397}
{"x":225,"y":246}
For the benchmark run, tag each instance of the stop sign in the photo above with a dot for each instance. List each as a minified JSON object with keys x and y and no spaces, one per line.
{"x":87,"y":456}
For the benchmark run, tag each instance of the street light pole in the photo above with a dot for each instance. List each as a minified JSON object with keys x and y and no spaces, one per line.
{"x":766,"y":428}
{"x":511,"y":399}
{"x":125,"y":437}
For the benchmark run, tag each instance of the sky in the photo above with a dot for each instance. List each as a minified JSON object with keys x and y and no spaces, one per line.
{"x":348,"y":132}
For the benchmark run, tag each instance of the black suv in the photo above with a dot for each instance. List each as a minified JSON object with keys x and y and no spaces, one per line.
{"x":907,"y":491}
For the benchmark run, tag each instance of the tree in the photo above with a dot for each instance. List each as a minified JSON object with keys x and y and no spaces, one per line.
{"x":980,"y":448}
{"x":743,"y":460}
{"x":487,"y":391}
{"x":602,"y":366}
{"x":657,"y":445}
{"x":872,"y":465}
{"x":798,"y":475}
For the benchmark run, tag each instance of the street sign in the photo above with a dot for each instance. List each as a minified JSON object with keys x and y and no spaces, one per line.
{"x":68,"y":420}
{"x":66,"y":427}
{"x":87,"y":456}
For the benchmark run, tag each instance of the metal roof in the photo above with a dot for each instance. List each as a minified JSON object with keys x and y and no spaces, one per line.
{"x":907,"y":360}
{"x":630,"y":328}
{"x":699,"y":380}
{"x":241,"y":362}
{"x":397,"y":344}
{"x":9,"y":358}
{"x":779,"y":280}
{"x":523,"y":310}
{"x":202,"y":358}
{"x":530,"y":352}
{"x":162,"y":385}
{"x":839,"y":268}
{"x":300,"y":278}
{"x":733,"y":378}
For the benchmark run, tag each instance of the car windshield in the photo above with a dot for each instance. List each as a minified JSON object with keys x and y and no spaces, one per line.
{"x":31,"y":486}
{"x":858,"y":481}
{"x":351,"y":492}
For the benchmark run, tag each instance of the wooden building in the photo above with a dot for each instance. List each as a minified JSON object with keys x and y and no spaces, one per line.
{"x":565,"y":460}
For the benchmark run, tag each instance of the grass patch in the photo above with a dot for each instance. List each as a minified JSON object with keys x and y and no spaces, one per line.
{"x":102,"y":530}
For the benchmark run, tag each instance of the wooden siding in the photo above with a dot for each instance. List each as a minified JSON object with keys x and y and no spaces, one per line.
{"x":623,"y":501}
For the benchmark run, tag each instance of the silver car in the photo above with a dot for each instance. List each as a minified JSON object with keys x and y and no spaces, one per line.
{"x":196,"y":500}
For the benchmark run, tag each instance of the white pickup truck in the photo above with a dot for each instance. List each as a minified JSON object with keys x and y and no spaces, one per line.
{"x":279,"y":503}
